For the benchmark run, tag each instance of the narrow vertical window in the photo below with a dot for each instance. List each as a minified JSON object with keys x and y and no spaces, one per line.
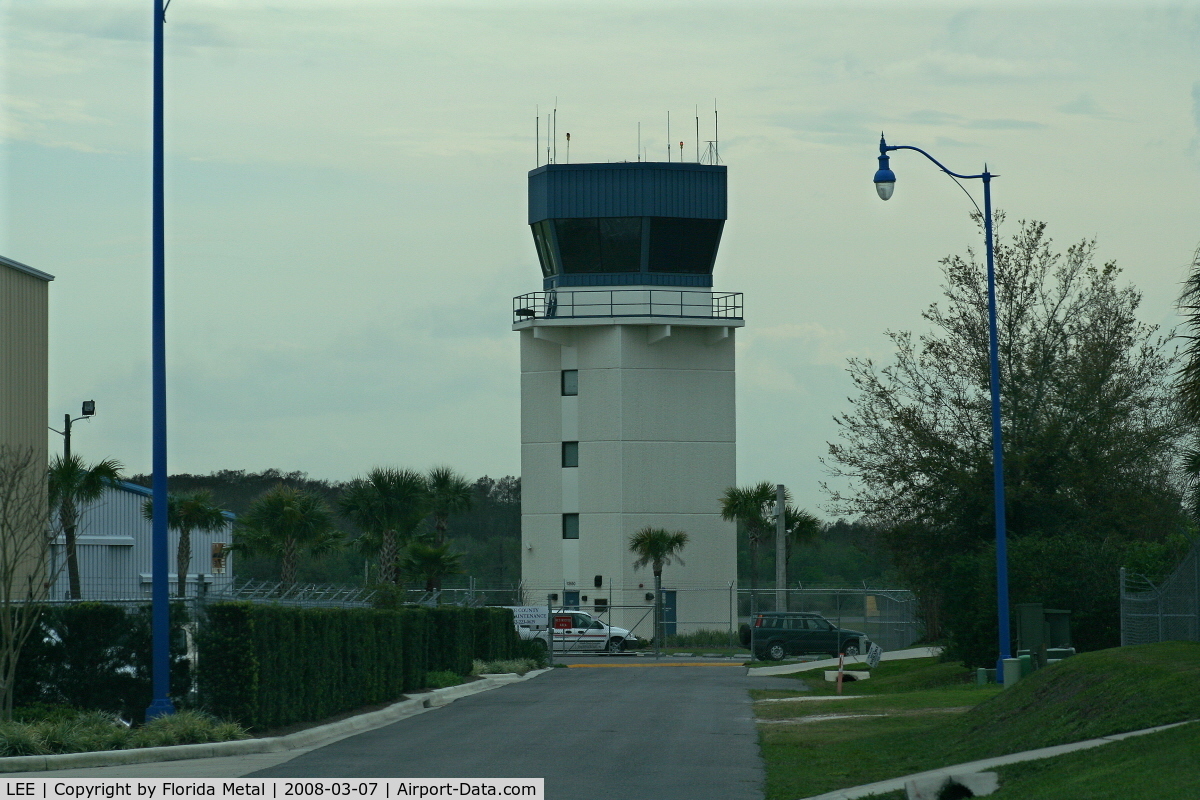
{"x":570,"y":525}
{"x":570,"y":382}
{"x":570,"y":454}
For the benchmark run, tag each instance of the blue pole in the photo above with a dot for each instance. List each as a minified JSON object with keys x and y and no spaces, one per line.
{"x":997,"y":443}
{"x":161,"y":704}
{"x":885,"y":180}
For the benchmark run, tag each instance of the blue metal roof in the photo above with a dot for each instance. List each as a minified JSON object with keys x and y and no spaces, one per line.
{"x":138,"y":489}
{"x":627,"y":189}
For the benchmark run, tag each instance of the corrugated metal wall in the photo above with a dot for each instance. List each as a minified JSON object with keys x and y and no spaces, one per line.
{"x":24,"y":321}
{"x":636,"y":189}
{"x":114,"y":551}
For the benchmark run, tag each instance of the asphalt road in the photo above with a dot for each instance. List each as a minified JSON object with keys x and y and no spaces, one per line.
{"x":613,"y":730}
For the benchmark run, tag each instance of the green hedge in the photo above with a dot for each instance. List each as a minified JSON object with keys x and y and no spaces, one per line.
{"x":267,"y":666}
{"x":97,"y":656}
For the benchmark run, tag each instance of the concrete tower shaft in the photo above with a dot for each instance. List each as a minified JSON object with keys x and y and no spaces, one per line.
{"x":627,"y":389}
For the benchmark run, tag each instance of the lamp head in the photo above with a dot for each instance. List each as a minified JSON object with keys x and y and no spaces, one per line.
{"x":885,"y":179}
{"x":89,"y":408}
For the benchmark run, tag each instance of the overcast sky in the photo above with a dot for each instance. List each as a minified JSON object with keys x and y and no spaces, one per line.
{"x":346,"y":218}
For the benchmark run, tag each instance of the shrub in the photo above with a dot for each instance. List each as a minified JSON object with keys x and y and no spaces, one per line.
{"x":97,"y":656}
{"x":18,"y":739}
{"x":185,"y":727}
{"x":702,"y":638}
{"x":440,"y":679}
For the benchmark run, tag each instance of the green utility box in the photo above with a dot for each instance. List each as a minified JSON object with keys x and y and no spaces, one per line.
{"x":1040,"y":629}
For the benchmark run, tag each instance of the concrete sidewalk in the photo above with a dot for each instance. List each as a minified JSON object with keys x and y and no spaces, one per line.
{"x":243,"y":755}
{"x":898,"y":784}
{"x":827,"y":663}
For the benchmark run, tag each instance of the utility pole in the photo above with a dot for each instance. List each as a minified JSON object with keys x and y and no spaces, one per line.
{"x":780,"y":548}
{"x":88,"y":411}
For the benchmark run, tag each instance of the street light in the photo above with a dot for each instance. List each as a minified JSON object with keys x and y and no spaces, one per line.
{"x":88,"y":411}
{"x":885,"y":184}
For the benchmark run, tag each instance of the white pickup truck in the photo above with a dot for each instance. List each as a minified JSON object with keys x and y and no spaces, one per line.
{"x":573,"y":631}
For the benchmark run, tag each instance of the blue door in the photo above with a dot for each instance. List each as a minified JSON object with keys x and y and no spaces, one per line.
{"x":668,"y":612}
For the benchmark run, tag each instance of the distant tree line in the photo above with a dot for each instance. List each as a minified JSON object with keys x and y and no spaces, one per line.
{"x":482,"y":534}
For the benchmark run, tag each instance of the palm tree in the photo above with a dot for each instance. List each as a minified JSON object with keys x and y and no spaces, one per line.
{"x":430,"y":563}
{"x":283,"y":521}
{"x":657,"y":547}
{"x":72,"y":484}
{"x":449,"y":493}
{"x":750,"y":507}
{"x":387,"y":505}
{"x":194,"y":511}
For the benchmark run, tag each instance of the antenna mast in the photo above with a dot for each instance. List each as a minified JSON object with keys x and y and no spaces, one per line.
{"x":716,"y":133}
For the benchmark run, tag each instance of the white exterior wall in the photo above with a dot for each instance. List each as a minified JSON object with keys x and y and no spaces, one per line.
{"x":113,"y":544}
{"x":654,"y":419}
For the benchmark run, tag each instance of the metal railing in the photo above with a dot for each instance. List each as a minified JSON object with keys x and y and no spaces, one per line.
{"x":676,"y":303}
{"x":1162,"y":612}
{"x":296,"y":594}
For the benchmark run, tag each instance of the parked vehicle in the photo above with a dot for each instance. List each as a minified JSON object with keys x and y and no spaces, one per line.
{"x":572,"y":631}
{"x":777,"y":634}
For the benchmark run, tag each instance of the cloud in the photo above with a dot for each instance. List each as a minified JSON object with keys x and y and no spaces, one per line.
{"x":1004,"y":124}
{"x":942,"y":66}
{"x":1084,"y":105}
{"x":931,"y":117}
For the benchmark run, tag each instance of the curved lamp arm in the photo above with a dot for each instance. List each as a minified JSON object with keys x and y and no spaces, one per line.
{"x":885,"y":179}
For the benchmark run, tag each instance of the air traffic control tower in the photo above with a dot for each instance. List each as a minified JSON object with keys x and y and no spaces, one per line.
{"x":627,"y":390}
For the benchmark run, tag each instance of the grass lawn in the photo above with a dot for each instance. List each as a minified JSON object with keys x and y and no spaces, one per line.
{"x":918,"y":715}
{"x":1152,"y":767}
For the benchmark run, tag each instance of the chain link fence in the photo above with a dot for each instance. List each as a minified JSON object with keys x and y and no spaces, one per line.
{"x":1164,"y":612}
{"x":887,"y":616}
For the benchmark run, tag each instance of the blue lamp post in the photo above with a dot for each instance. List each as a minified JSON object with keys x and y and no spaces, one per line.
{"x":885,"y":184}
{"x":160,"y":704}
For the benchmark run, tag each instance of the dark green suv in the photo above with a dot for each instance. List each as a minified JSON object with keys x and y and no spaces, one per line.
{"x":777,"y":634}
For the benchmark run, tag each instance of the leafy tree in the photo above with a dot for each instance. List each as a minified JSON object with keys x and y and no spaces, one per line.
{"x":1089,"y":435}
{"x":428,"y":562}
{"x":449,"y":493}
{"x":72,"y":484}
{"x":194,"y":511}
{"x":1188,"y":379}
{"x":488,"y":535}
{"x":387,"y":505}
{"x":285,"y":521}
{"x":657,"y":547}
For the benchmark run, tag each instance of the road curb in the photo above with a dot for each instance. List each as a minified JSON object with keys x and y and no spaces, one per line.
{"x":415,"y":704}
